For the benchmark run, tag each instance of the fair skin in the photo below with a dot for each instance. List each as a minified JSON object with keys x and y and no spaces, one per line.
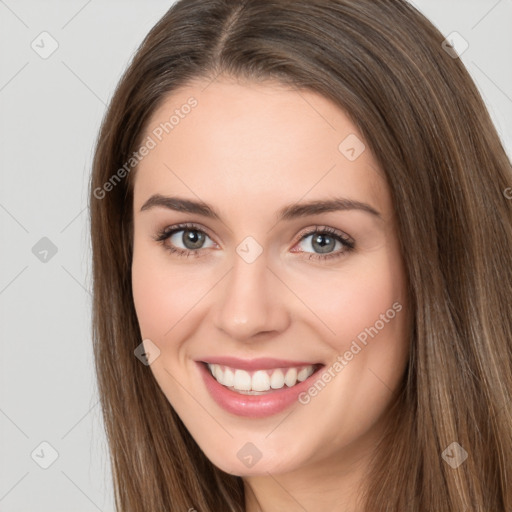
{"x":248,"y":150}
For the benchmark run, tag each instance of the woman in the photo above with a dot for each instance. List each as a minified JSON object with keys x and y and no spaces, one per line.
{"x":301,"y":243}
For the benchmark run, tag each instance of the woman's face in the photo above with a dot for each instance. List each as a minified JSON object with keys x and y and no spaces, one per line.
{"x":257,"y":286}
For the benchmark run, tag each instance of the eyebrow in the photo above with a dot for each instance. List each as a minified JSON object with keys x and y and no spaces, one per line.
{"x":289,"y":212}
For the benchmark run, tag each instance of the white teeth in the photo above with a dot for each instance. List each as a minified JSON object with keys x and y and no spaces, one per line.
{"x":304,"y":373}
{"x":260,"y":380}
{"x":228,"y":377}
{"x":242,"y":381}
{"x":291,"y":377}
{"x":277,"y":380}
{"x":217,"y":372}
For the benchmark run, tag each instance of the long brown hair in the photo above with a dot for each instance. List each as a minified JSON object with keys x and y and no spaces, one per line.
{"x":423,"y":118}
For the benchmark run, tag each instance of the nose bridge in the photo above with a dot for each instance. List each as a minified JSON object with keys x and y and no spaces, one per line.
{"x":250,"y":299}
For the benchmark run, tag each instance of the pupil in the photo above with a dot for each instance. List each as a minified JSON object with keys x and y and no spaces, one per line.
{"x":323,"y":247}
{"x":192,"y":239}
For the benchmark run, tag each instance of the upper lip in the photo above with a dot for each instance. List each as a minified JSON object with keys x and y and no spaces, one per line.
{"x":260,"y":363}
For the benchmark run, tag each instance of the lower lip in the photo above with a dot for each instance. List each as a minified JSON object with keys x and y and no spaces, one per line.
{"x":253,"y":406}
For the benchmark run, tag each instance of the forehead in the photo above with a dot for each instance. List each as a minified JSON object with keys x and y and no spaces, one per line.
{"x":264,"y":143}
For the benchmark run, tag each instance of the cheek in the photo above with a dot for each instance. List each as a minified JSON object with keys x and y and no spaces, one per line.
{"x":167,"y":295}
{"x":153,"y":296}
{"x":150,"y":303}
{"x":354,"y":297}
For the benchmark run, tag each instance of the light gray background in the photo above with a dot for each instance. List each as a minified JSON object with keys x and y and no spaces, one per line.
{"x":50,"y":112}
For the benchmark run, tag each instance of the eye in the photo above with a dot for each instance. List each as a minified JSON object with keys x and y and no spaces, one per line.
{"x":324,"y":240}
{"x":190,"y":236}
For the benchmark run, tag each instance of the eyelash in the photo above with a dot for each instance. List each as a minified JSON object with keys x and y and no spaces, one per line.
{"x":347,"y":242}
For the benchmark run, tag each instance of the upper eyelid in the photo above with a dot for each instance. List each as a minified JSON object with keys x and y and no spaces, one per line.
{"x":176,"y":228}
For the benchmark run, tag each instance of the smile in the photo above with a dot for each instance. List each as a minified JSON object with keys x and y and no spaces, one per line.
{"x":259,"y":381}
{"x":257,"y":388}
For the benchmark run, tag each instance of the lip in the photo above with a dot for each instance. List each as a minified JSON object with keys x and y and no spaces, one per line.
{"x":262,"y":363}
{"x":254,"y":406}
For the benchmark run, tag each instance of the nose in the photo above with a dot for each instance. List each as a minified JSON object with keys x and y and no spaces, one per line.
{"x":251,"y":301}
